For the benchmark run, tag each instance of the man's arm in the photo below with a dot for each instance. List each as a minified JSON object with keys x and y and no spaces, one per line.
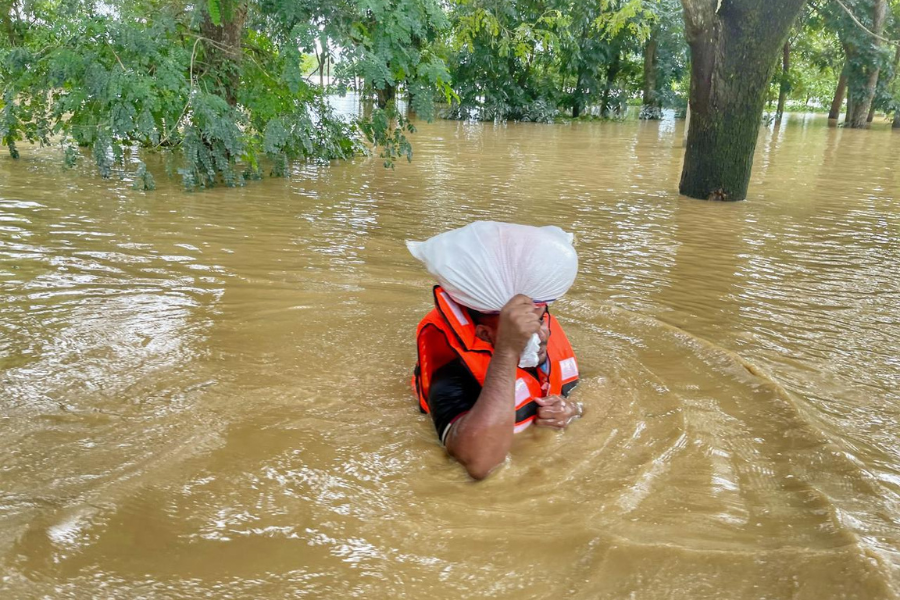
{"x":481,"y":438}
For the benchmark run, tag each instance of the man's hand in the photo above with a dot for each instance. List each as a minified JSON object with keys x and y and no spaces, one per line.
{"x":519,"y":320}
{"x":556,"y":412}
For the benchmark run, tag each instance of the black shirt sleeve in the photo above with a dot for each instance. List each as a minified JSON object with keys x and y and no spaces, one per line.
{"x":454,"y":391}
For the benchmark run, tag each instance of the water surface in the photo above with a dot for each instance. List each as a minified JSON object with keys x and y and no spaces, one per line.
{"x":207,"y":395}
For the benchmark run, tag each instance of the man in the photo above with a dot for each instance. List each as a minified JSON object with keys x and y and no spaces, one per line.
{"x":467,"y":377}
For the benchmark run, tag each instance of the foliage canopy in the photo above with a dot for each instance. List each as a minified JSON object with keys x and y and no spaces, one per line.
{"x":219,"y":82}
{"x":224,"y":88}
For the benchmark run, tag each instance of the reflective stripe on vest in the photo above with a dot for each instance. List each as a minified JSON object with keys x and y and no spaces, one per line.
{"x":448,"y":333}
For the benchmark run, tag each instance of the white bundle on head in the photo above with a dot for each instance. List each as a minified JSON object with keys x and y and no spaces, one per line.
{"x":484,"y":264}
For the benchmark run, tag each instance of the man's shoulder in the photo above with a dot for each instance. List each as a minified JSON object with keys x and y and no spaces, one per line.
{"x":454,"y":368}
{"x":453,"y":380}
{"x":454,"y":391}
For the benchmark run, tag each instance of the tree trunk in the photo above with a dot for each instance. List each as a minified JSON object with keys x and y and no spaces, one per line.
{"x":612,"y":73}
{"x":224,"y":53}
{"x":849,"y":110}
{"x":785,"y":70}
{"x":733,"y":49}
{"x":385,"y":95}
{"x":835,"y":113}
{"x":578,"y":95}
{"x":868,"y":73}
{"x":410,"y":99}
{"x":896,"y":122}
{"x":8,"y":21}
{"x":651,"y":105}
{"x":888,"y":84}
{"x":871,"y":116}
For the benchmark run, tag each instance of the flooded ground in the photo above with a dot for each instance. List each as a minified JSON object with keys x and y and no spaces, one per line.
{"x":207,"y":395}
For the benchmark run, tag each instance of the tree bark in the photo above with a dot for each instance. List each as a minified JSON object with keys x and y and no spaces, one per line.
{"x":578,"y":95}
{"x":733,"y":44}
{"x":651,"y":105}
{"x":869,"y":73}
{"x":224,"y":53}
{"x":385,"y":95}
{"x":783,"y":89}
{"x":896,"y":122}
{"x":888,"y":84}
{"x":835,"y":113}
{"x":8,"y":21}
{"x":612,"y":73}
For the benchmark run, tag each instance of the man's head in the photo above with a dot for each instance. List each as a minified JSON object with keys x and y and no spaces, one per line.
{"x":486,"y":326}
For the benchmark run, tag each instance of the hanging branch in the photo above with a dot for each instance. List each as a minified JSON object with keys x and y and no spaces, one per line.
{"x":166,"y":137}
{"x":866,"y":29}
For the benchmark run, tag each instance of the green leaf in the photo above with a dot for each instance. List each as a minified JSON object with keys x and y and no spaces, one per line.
{"x":214,"y":7}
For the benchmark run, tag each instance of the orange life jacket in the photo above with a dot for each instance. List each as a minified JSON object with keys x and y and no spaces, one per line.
{"x":448,"y":333}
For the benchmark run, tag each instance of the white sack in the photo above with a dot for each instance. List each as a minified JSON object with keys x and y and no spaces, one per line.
{"x":484,"y":264}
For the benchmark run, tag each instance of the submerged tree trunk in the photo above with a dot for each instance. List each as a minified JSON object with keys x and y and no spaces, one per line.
{"x":410,"y":98}
{"x":733,"y":49}
{"x":651,"y":108}
{"x":580,"y":74}
{"x":835,"y":113}
{"x":896,"y":122}
{"x":386,"y":95}
{"x":888,"y":84}
{"x":783,"y":88}
{"x":578,"y":95}
{"x":612,"y":73}
{"x":868,"y":74}
{"x":224,"y":49}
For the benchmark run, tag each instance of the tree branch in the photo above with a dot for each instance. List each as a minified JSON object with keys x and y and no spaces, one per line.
{"x":113,"y":50}
{"x":864,"y":28}
{"x":174,"y":127}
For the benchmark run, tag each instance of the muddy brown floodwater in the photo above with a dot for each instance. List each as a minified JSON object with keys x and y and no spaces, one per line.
{"x":207,"y":395}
